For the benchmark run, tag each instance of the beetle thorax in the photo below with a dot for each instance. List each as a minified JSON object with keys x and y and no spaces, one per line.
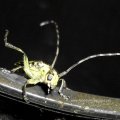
{"x":44,"y":73}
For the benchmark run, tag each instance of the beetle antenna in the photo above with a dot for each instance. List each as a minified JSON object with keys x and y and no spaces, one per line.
{"x":58,"y":37}
{"x":85,"y":59}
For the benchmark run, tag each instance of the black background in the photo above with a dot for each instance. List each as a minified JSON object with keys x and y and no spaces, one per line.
{"x":86,"y":27}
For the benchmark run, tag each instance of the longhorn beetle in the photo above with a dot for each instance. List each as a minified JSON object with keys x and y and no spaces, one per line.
{"x":40,"y":72}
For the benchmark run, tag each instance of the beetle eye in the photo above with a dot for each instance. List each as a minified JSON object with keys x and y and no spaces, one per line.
{"x":49,"y":77}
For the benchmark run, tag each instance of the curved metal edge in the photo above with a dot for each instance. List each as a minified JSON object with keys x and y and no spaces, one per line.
{"x":79,"y":104}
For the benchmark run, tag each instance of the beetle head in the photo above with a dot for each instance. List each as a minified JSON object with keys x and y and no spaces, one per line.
{"x":51,"y":79}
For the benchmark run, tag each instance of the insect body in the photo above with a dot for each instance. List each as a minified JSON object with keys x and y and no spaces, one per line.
{"x":40,"y":72}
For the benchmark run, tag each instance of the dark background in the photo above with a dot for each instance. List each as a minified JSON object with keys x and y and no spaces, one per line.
{"x":86,"y":27}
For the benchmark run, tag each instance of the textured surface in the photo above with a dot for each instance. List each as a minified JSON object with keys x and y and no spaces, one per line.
{"x":79,"y":104}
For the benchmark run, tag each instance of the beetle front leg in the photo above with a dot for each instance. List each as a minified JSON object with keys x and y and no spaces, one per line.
{"x":63,"y":85}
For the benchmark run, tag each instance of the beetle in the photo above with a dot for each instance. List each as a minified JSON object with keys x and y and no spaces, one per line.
{"x":40,"y":72}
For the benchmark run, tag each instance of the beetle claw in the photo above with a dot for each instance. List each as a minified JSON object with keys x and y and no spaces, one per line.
{"x":26,"y":99}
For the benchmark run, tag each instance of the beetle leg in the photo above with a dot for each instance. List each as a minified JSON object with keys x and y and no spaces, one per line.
{"x":17,"y":68}
{"x":24,"y":92}
{"x":9,"y":45}
{"x":63,"y":85}
{"x":28,"y":82}
{"x":25,"y":58}
{"x":26,"y":66}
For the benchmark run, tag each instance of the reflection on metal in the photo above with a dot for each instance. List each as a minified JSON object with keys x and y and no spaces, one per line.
{"x":79,"y":104}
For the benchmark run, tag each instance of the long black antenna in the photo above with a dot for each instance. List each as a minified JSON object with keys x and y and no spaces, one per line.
{"x":85,"y":59}
{"x":58,"y":37}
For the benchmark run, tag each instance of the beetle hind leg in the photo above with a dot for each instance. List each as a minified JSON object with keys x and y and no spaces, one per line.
{"x":25,"y":58}
{"x":9,"y":45}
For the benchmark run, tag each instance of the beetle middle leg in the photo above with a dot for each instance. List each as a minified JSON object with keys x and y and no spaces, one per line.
{"x":16,"y":68}
{"x":28,"y":82}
